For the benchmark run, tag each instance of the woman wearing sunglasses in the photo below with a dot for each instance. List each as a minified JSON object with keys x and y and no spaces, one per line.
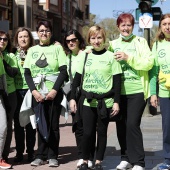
{"x":74,"y":43}
{"x":7,"y":87}
{"x":23,"y":40}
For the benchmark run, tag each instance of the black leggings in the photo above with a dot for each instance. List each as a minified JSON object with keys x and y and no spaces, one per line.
{"x":91,"y":121}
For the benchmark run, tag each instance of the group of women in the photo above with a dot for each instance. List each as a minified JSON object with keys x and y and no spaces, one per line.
{"x":110,"y":81}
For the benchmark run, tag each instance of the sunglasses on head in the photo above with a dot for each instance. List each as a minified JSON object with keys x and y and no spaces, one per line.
{"x":4,"y":39}
{"x":72,"y":40}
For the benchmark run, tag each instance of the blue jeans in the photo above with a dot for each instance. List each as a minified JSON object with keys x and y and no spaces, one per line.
{"x":165,"y":111}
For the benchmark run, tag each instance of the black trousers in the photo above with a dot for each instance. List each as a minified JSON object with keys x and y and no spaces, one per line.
{"x":128,"y":129}
{"x":21,"y":132}
{"x":49,"y":150}
{"x":91,"y":121}
{"x":12,"y":97}
{"x":79,"y":136}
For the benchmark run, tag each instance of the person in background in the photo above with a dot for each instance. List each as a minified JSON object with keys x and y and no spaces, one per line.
{"x":8,"y":61}
{"x":74,"y":43}
{"x":5,"y":61}
{"x":134,"y":55}
{"x":23,"y":40}
{"x":161,"y":71}
{"x":100,"y":84}
{"x":46,"y":65}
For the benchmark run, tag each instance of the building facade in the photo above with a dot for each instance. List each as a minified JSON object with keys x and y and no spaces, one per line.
{"x":63,"y":14}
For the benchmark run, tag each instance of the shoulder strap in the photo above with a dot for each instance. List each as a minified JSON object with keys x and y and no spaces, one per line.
{"x":82,"y":77}
{"x":69,"y":69}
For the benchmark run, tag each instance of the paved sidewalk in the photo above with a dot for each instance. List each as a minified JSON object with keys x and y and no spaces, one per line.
{"x":152,"y":135}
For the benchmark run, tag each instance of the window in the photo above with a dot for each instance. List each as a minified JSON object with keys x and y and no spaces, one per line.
{"x":87,"y":12}
{"x":28,"y":17}
{"x":21,"y":15}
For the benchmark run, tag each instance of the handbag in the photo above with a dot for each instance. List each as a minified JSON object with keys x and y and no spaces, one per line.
{"x":67,"y":87}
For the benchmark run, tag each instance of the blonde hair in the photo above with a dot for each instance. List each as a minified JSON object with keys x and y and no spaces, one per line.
{"x":95,"y":30}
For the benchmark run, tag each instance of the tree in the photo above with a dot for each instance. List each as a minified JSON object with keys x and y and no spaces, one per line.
{"x":109,"y":24}
{"x":92,"y":21}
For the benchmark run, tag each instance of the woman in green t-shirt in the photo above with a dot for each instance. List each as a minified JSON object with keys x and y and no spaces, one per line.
{"x":100,"y":94}
{"x":74,"y":43}
{"x":9,"y":61}
{"x":45,"y":73}
{"x":7,"y":74}
{"x":161,"y":54}
{"x":136,"y":60}
{"x":24,"y":136}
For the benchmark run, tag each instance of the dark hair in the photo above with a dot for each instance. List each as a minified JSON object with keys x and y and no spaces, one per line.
{"x":81,"y":40}
{"x":47,"y":24}
{"x":160,"y":36}
{"x":124,"y":16}
{"x":9,"y":46}
{"x":20,"y":30}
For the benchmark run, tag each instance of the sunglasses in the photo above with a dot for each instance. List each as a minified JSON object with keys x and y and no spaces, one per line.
{"x":72,"y":40}
{"x":46,"y":31}
{"x":4,"y":39}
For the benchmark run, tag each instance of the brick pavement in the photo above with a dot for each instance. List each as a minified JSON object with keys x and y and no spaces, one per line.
{"x":152,"y":134}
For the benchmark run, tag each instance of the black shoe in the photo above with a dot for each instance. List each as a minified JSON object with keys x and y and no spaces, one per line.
{"x":18,"y":158}
{"x":98,"y":167}
{"x":83,"y":166}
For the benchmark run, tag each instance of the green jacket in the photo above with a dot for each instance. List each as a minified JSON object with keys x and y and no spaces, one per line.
{"x":140,"y":60}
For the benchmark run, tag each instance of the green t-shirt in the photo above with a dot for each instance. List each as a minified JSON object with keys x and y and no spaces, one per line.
{"x":98,"y":75}
{"x":45,"y":60}
{"x":9,"y":58}
{"x":135,"y":69}
{"x":161,"y":54}
{"x":20,"y":82}
{"x":74,"y":63}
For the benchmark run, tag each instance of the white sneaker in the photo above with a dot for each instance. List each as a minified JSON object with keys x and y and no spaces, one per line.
{"x":137,"y":167}
{"x":80,"y":161}
{"x":124,"y":165}
{"x":90,"y":164}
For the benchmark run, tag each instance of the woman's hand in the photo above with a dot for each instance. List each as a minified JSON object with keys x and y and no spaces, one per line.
{"x":115,"y":109}
{"x":51,"y":95}
{"x":73,"y":106}
{"x":121,"y":56}
{"x":154,"y":101}
{"x":38,"y":97}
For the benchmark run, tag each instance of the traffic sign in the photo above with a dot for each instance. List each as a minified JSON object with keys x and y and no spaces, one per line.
{"x":145,"y":20}
{"x":153,"y":1}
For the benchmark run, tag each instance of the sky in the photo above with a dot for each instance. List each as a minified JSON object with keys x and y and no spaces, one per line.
{"x":112,"y":8}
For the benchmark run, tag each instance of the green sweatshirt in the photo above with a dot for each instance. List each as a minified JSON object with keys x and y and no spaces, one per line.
{"x":135,"y":77}
{"x":161,"y":53}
